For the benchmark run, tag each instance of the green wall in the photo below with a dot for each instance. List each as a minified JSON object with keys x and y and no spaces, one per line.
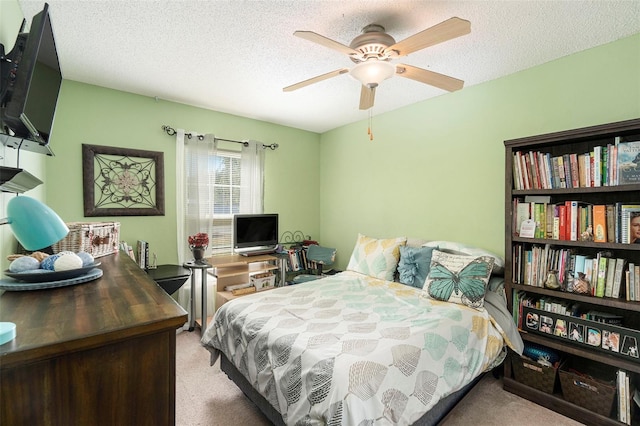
{"x":94,"y":115}
{"x":435,"y":169}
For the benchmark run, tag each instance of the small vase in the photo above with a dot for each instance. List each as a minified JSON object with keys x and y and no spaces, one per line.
{"x":552,"y":281}
{"x":198,"y":253}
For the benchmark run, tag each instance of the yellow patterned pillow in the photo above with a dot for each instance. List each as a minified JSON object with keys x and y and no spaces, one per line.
{"x":375,"y":257}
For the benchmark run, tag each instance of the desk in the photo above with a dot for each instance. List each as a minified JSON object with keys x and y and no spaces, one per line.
{"x":82,"y":352}
{"x":202,"y":267}
{"x":236,"y":269}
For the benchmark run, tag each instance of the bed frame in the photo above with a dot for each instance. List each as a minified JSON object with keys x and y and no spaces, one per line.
{"x":433,"y":417}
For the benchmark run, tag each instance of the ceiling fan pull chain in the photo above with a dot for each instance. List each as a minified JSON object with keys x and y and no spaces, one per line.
{"x":369,"y":131}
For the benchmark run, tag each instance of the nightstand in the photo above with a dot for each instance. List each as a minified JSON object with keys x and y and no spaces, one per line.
{"x":169,"y":277}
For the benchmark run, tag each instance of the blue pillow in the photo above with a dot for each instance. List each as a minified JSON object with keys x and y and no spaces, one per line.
{"x":414,"y":265}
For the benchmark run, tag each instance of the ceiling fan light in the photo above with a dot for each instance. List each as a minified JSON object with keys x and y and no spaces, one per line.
{"x":373,"y":72}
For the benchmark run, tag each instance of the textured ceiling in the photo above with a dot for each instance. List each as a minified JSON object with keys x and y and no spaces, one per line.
{"x":236,"y":56}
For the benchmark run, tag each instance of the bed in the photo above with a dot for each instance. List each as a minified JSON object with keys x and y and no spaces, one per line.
{"x":359,"y":347}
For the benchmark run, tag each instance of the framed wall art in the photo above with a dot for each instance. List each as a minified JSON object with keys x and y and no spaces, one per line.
{"x":122,"y":181}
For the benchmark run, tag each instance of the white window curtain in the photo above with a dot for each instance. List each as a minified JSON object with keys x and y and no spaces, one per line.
{"x":252,"y":178}
{"x":205,"y":201}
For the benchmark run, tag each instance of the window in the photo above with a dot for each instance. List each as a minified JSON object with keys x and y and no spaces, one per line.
{"x":218,"y":184}
{"x":224,"y":180}
{"x":226,"y":190}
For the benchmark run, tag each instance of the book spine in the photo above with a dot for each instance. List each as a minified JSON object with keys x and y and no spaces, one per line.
{"x":631,"y":283}
{"x":600,"y":223}
{"x":611,"y":223}
{"x":617,"y":278}
{"x":566,"y":161}
{"x":574,"y":221}
{"x":597,"y":166}
{"x":525,"y":171}
{"x":611,"y":269}
{"x":636,"y":282}
{"x":602,"y":275}
{"x":549,"y":214}
{"x":517,"y":176}
{"x":533,"y":161}
{"x":549,"y":166}
{"x":561,"y":172}
{"x":614,"y":161}
{"x":582,"y":171}
{"x":562,"y":222}
{"x":556,"y":172}
{"x":624,"y":227}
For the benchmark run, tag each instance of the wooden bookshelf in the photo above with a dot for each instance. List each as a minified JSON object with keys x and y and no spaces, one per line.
{"x":576,"y":141}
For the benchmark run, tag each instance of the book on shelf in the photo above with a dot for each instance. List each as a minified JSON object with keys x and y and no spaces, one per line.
{"x":605,"y":165}
{"x":575,"y":171}
{"x":617,"y":277}
{"x":588,"y":270}
{"x":600,"y":223}
{"x":573,"y":220}
{"x":626,"y":213}
{"x":627,"y":399}
{"x":621,"y":387}
{"x":636,"y":282}
{"x":611,"y":223}
{"x":601,"y":276}
{"x":606,"y":275}
{"x":561,"y":172}
{"x":611,"y":269}
{"x":628,"y":162}
{"x":630,"y":284}
{"x":584,"y":172}
{"x":597,"y":166}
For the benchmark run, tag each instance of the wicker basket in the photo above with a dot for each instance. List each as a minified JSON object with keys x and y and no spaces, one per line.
{"x":593,"y":389}
{"x":96,"y":238}
{"x":263,"y":281}
{"x":533,"y":374}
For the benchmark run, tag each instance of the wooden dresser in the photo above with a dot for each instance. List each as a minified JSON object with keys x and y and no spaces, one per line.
{"x":98,"y":353}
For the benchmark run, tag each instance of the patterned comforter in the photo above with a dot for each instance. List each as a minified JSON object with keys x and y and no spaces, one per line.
{"x":351,"y":349}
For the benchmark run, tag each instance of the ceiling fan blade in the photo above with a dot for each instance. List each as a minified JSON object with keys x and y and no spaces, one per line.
{"x":327,"y":42}
{"x":446,"y":30}
{"x":367,"y":95}
{"x":315,"y":79}
{"x":440,"y":81}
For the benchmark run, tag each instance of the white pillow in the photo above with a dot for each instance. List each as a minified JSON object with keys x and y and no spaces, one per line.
{"x":461,"y":248}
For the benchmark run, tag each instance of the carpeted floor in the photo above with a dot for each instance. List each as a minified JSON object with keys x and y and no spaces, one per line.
{"x":205,"y":396}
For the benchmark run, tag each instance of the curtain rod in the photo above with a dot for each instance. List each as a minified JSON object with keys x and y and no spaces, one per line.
{"x":171,"y":131}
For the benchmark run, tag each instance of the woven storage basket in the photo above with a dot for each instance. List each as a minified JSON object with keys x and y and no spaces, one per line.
{"x":263,"y":282}
{"x":587,"y":387}
{"x":533,"y":374}
{"x":96,"y":238}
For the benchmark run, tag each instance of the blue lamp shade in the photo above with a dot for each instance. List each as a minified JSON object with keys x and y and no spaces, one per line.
{"x":35,"y":225}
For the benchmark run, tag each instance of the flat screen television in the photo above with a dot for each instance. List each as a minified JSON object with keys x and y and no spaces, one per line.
{"x":30,"y":82}
{"x":255,"y":233}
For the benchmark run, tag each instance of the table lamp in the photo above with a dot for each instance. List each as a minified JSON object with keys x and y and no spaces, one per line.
{"x":35,"y":226}
{"x":33,"y":223}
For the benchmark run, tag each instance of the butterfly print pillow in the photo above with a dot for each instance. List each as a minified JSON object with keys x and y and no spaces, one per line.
{"x":458,"y":278}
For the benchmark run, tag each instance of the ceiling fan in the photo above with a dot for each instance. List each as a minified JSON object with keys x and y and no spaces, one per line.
{"x":373,"y":50}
